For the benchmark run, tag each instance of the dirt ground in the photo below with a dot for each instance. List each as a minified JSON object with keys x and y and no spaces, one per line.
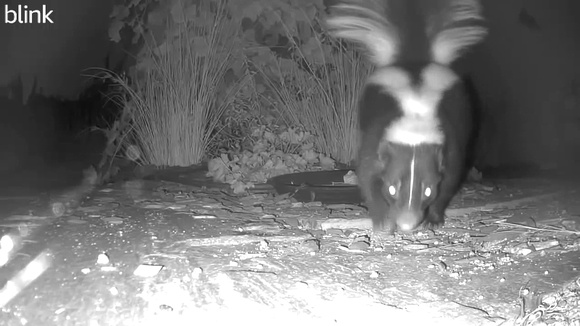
{"x":146,"y":252}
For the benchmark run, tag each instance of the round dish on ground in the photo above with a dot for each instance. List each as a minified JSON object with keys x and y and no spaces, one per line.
{"x":327,"y":187}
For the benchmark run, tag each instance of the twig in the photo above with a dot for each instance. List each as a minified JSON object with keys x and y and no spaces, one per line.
{"x":553,"y":229}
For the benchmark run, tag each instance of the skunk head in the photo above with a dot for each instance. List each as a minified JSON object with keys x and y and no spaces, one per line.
{"x":409,"y":183}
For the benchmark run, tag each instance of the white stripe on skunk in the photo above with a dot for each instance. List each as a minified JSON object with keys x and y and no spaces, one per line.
{"x":419,"y":123}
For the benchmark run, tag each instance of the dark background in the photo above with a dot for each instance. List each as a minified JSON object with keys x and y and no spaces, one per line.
{"x":526,"y":74}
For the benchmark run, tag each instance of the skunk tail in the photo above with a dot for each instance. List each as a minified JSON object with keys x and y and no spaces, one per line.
{"x":388,"y":28}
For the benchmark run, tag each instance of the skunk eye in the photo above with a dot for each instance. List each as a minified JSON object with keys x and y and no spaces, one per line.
{"x":392,"y":190}
{"x":427,"y":191}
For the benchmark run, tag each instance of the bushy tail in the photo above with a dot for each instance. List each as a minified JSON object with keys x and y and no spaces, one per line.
{"x":452,"y":29}
{"x":450,"y":26}
{"x":366,"y":23}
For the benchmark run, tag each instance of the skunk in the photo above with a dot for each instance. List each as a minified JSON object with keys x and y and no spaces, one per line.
{"x":415,"y":113}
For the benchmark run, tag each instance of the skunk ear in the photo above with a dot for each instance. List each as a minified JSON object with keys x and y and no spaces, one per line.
{"x":365,"y":23}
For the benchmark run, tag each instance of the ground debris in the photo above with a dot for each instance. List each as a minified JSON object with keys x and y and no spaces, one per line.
{"x":234,"y":240}
{"x":207,"y":253}
{"x":145,"y":270}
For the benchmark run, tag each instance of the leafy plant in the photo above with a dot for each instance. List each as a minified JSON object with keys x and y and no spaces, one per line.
{"x":274,"y":152}
{"x":317,"y":86}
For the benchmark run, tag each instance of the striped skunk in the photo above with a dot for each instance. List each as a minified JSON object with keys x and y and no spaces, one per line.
{"x":415,"y":112}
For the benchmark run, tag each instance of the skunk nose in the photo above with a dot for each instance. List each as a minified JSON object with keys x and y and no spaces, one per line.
{"x":408,"y":221}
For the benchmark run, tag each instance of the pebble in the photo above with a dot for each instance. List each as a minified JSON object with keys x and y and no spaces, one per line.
{"x":103,"y":259}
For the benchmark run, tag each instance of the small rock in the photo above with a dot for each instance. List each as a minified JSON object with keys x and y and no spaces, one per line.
{"x":196,"y":273}
{"x":334,"y":232}
{"x":92,"y":209}
{"x":416,"y":246}
{"x":292,"y":222}
{"x":337,"y":207}
{"x":114,"y":291}
{"x":113,"y":220}
{"x":76,"y":220}
{"x":525,"y":291}
{"x":103,"y":259}
{"x":360,"y":245}
{"x":154,"y":206}
{"x":313,"y":204}
{"x":177,"y":207}
{"x":549,"y":300}
{"x":165,"y":307}
{"x":204,"y":217}
{"x":521,"y":250}
{"x":440,"y":265}
{"x":145,"y":270}
{"x":264,"y":245}
{"x":256,"y":209}
{"x":545,"y":244}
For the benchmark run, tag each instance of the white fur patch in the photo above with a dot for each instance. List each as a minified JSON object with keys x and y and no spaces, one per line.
{"x":419,"y":123}
{"x":414,"y":131}
{"x":448,"y":40}
{"x":365,"y":23}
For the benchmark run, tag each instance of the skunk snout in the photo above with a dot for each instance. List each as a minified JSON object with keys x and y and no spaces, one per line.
{"x":408,"y":220}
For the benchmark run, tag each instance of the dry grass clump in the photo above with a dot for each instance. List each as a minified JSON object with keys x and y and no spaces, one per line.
{"x":319,"y":89}
{"x":178,"y":91}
